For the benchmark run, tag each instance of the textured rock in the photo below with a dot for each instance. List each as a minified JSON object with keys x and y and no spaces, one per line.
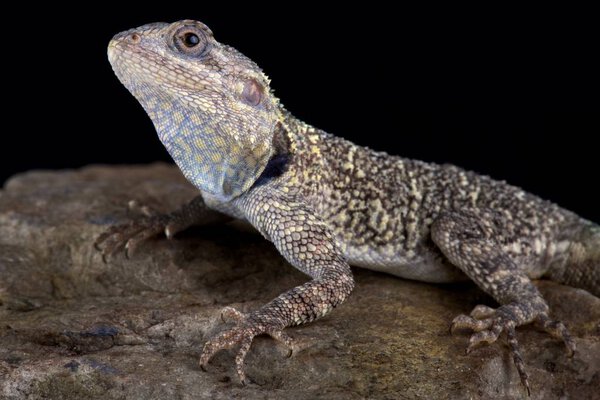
{"x":72,"y":327}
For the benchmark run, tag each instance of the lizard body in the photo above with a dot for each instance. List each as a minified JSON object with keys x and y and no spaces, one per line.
{"x":326,"y":203}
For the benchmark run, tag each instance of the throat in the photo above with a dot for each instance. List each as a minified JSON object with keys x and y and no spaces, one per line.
{"x":276,"y":166}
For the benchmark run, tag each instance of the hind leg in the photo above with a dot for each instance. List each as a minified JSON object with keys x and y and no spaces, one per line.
{"x":470,"y":241}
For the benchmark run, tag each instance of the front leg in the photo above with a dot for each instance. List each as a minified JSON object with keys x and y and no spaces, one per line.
{"x":151,"y":223}
{"x":307,"y":243}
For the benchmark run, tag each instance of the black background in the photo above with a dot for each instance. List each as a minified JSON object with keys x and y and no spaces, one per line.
{"x":507,"y":92}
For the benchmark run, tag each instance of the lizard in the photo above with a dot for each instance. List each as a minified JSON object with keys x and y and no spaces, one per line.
{"x":326,"y":203}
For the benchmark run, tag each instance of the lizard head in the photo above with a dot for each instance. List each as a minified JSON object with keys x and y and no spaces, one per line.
{"x":211,"y":106}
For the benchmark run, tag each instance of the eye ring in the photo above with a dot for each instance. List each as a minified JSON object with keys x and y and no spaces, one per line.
{"x":191,"y":41}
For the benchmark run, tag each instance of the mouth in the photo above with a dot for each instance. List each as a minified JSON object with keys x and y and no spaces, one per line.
{"x":119,"y":52}
{"x":130,"y":61}
{"x":119,"y":48}
{"x":113,"y":51}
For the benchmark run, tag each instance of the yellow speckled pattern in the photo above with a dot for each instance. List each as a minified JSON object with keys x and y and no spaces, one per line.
{"x":325,"y":202}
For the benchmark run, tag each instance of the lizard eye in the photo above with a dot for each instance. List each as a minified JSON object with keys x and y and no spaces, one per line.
{"x":190,"y":40}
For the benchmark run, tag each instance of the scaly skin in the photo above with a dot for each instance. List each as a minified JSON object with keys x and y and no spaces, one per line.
{"x":325,"y":202}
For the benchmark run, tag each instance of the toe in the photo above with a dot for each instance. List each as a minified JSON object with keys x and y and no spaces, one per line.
{"x":559,"y":331}
{"x":484,"y":336}
{"x":136,"y":207}
{"x":517,"y":357}
{"x":230,"y":313}
{"x":466,"y":322}
{"x":115,"y":238}
{"x":285,"y":339}
{"x":143,"y":235}
{"x":223,"y":340}
{"x":241,"y":356}
{"x":99,"y":244}
{"x":481,"y":311}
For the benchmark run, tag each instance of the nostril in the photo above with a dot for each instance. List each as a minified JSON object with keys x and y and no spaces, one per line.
{"x":135,"y":38}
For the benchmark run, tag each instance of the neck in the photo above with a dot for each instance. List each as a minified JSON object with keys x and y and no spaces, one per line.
{"x":293,"y":135}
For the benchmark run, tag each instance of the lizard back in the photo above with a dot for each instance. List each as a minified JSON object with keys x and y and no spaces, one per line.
{"x":381,"y":207}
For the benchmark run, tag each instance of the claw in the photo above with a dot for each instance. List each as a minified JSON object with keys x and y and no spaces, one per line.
{"x":147,"y":211}
{"x":127,"y":255}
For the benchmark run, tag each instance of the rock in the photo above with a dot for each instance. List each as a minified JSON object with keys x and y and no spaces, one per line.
{"x":73,"y":327}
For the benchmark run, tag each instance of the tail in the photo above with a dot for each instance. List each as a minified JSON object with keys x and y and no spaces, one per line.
{"x":579,"y":265}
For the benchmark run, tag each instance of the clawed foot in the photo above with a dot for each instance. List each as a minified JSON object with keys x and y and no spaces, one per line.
{"x":128,"y":236}
{"x":488,"y":323}
{"x":247,"y":327}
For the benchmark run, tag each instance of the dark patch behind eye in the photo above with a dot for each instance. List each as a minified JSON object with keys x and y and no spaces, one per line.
{"x":275,"y":167}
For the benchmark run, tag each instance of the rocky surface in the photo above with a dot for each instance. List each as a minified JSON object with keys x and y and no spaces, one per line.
{"x":73,"y":327}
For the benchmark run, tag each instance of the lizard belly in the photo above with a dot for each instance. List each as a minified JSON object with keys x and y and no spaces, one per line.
{"x":429,"y":268}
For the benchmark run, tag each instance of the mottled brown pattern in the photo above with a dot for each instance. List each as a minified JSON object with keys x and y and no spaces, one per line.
{"x":324,"y":201}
